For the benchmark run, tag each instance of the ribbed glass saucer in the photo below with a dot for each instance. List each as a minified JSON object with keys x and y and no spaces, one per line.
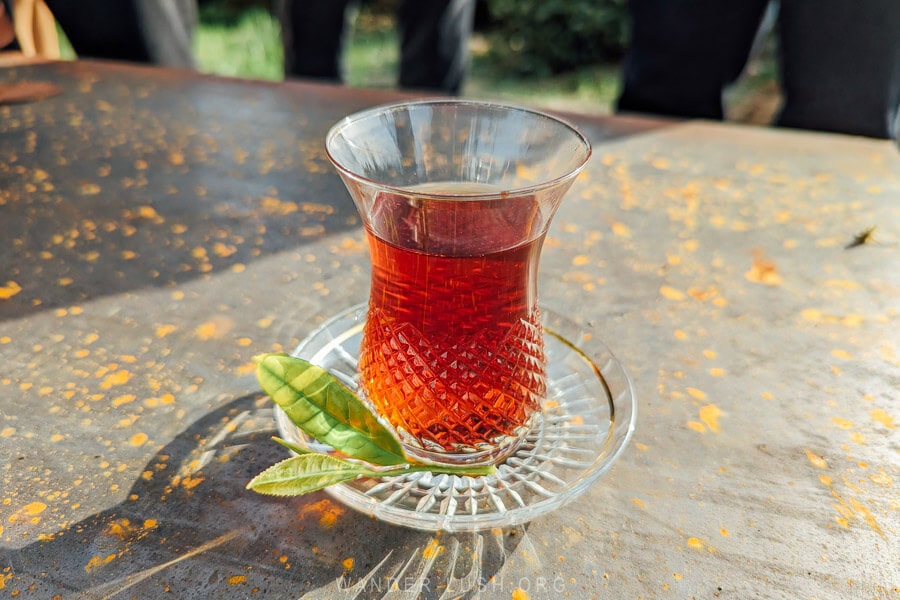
{"x":585,"y":424}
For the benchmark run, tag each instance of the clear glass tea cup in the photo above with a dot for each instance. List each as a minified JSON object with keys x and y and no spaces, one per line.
{"x":456,"y":198}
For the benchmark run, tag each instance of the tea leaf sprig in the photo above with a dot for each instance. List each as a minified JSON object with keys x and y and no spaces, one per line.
{"x":325,"y":409}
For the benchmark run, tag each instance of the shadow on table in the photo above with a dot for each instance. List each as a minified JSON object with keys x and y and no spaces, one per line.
{"x":190,"y":529}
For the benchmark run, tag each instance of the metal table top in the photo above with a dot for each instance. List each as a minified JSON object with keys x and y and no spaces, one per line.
{"x":159,"y":228}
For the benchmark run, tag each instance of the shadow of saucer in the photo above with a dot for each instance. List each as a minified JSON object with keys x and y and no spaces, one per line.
{"x":190,"y":529}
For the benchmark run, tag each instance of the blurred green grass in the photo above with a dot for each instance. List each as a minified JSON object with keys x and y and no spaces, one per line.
{"x":246,"y":42}
{"x":238,"y":43}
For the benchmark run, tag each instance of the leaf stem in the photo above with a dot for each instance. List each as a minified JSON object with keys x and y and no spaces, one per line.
{"x":472,"y":471}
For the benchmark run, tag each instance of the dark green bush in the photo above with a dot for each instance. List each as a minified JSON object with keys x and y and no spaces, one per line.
{"x":542,"y":37}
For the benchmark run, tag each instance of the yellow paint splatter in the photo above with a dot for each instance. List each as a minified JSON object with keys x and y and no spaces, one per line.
{"x":520,"y":594}
{"x":639,"y":503}
{"x":695,"y":393}
{"x":717,"y":372}
{"x":149,"y":213}
{"x":32,"y":509}
{"x":882,"y":417}
{"x":710,"y":414}
{"x":246,"y":368}
{"x":9,"y":290}
{"x":680,"y":335}
{"x":237,"y":579}
{"x":869,"y":518}
{"x":852,"y":320}
{"x":348,"y":563}
{"x":120,"y":377}
{"x":581,"y":260}
{"x":138,"y":439}
{"x":710,"y":354}
{"x":223,"y":250}
{"x":327,"y":511}
{"x":123,"y":399}
{"x":98,"y":561}
{"x":89,"y":189}
{"x":842,"y":354}
{"x":215,"y":328}
{"x":431,"y":549}
{"x":660,"y":163}
{"x":695,"y":543}
{"x":762,"y":270}
{"x":164,"y":330}
{"x":120,"y":528}
{"x":192,"y":482}
{"x":278,"y":207}
{"x":620,"y":229}
{"x":842,"y":423}
{"x":723,"y":532}
{"x":698,"y":427}
{"x":816,"y":460}
{"x":671,"y":293}
{"x":678,"y":576}
{"x":882,"y":479}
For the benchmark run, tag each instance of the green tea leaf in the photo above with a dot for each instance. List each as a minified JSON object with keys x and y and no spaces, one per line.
{"x":319,"y":404}
{"x":304,"y":474}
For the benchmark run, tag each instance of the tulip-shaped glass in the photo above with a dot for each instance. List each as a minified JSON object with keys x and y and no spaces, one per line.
{"x":456,"y":198}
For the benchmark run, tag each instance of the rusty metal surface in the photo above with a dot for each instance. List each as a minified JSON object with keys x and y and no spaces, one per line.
{"x":160,"y":228}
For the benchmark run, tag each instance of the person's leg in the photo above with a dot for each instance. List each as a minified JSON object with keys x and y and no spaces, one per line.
{"x":149,"y":31}
{"x":434,"y":43}
{"x":168,"y":27}
{"x":102,"y":29}
{"x":682,"y":53}
{"x":312,"y":32}
{"x":840,"y":65}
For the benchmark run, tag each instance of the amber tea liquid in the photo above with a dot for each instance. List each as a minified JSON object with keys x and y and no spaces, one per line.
{"x":452,"y":352}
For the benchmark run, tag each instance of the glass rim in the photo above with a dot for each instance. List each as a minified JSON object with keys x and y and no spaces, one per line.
{"x":491,"y":195}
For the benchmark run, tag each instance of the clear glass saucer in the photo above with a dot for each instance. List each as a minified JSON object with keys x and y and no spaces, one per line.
{"x":586,"y":422}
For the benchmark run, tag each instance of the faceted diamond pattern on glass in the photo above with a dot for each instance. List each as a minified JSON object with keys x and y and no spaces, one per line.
{"x":456,"y":393}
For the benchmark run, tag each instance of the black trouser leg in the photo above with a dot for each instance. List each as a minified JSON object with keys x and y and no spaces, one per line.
{"x":150,"y":31}
{"x":434,"y":36}
{"x":683,"y":53}
{"x":840,"y":65}
{"x":313,"y":35}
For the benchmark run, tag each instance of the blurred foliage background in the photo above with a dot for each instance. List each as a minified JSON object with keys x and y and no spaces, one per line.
{"x":539,"y":38}
{"x":554,"y":54}
{"x":561,"y":54}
